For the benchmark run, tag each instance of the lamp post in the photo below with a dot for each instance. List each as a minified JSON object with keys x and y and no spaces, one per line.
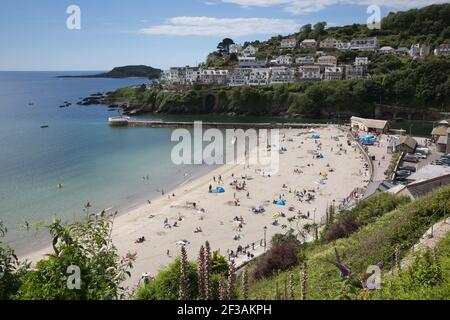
{"x":265,"y":239}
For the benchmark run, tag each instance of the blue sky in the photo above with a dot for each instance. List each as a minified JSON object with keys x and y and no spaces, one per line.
{"x":160,"y":33}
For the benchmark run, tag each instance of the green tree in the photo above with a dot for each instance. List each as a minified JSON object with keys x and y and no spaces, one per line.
{"x":224,"y":45}
{"x":84,"y":246}
{"x":11,"y":269}
{"x":319,"y":29}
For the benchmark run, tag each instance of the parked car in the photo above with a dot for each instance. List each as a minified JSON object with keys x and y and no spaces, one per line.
{"x":411,"y":158}
{"x":421,"y":156}
{"x":408,"y":168}
{"x":425,"y":151}
{"x":403,"y":173}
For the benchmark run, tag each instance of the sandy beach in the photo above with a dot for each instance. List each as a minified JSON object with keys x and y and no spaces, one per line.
{"x":169,"y":219}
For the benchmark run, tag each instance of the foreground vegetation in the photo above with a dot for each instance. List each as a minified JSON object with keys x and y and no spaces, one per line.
{"x":84,"y":265}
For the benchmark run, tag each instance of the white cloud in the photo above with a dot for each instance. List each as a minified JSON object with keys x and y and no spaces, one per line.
{"x":306,"y":6}
{"x":232,"y":27}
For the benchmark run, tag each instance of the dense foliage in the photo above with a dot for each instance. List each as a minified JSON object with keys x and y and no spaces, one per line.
{"x":85,"y":265}
{"x":11,"y":269}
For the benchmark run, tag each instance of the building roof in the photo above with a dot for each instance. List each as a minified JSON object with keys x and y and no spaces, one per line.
{"x":408,"y":141}
{"x":425,"y":186}
{"x":429,"y":172}
{"x":439,"y":131}
{"x":371,"y":123}
{"x":396,"y":189}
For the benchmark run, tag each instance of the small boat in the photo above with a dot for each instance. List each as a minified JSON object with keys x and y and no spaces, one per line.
{"x":62,"y":107}
{"x":31,"y":104}
{"x":44,"y":126}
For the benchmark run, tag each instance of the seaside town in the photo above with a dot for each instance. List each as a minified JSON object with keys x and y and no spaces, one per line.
{"x":319,"y":65}
{"x":314,"y":166}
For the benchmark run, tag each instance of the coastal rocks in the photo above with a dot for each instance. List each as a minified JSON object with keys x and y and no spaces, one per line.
{"x":93,"y":99}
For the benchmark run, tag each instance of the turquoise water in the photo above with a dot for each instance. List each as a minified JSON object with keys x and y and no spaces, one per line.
{"x":95,"y":163}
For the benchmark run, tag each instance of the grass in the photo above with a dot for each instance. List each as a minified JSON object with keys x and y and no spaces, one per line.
{"x":398,"y":229}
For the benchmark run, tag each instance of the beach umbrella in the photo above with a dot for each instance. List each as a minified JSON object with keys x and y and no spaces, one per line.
{"x":281,"y":203}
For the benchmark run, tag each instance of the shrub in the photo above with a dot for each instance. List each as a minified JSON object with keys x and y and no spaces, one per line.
{"x":341,"y":229}
{"x":282,"y":255}
{"x":87,"y":245}
{"x":166,"y":285}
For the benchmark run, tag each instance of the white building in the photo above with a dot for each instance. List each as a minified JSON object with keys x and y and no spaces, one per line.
{"x":282,"y":75}
{"x":284,"y":60}
{"x":333,"y":73}
{"x":259,"y":77}
{"x":305,"y":60}
{"x":364,"y":44}
{"x":239,"y":77}
{"x":387,"y":50}
{"x":251,"y":62}
{"x":329,"y":43}
{"x":354,"y":72}
{"x":235,"y":48}
{"x":344,"y":46}
{"x":289,"y":43}
{"x":361,"y":61}
{"x":214,"y":76}
{"x":419,"y":51}
{"x":309,"y":44}
{"x":327,"y":61}
{"x":249,"y":51}
{"x":174,"y":75}
{"x":443,"y":50}
{"x":309,"y":72}
{"x":193,"y":75}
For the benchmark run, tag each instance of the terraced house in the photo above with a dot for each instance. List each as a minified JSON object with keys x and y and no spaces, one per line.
{"x":329,"y":43}
{"x":310,"y":44}
{"x":327,"y":61}
{"x":239,"y":77}
{"x":364,"y":44}
{"x":354,"y":72}
{"x":305,"y":60}
{"x":333,"y":73}
{"x":289,"y":43}
{"x":309,"y":72}
{"x":281,"y":75}
{"x":259,"y":77}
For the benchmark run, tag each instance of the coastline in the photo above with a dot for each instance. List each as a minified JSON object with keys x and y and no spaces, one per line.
{"x":217,"y":221}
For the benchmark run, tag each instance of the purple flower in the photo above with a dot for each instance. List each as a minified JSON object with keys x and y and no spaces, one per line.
{"x":345,"y":271}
